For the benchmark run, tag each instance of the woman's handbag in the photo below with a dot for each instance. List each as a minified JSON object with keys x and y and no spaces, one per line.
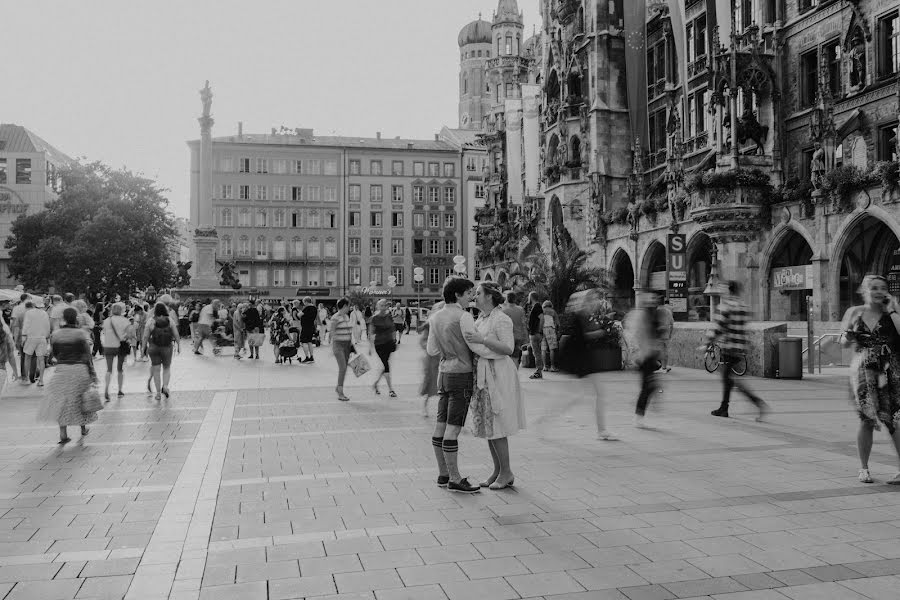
{"x":90,"y":399}
{"x":256,"y":340}
{"x":360,"y":365}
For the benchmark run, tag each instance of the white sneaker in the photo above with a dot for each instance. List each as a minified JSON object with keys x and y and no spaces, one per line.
{"x":607,"y":436}
{"x":639,"y":422}
{"x":864,"y":476}
{"x":894,"y":481}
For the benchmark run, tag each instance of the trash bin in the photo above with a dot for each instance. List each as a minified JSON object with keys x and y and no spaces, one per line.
{"x":790,"y":358}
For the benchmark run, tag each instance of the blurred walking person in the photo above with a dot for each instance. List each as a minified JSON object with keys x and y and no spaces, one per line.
{"x":115,"y":346}
{"x":549,"y":329}
{"x":205,"y":321}
{"x":666,"y":321}
{"x":341,"y":329}
{"x":430,"y":365}
{"x":160,"y":336}
{"x":498,"y":410}
{"x":36,"y":333}
{"x":642,"y":327}
{"x":7,"y":355}
{"x":535,"y":334}
{"x":730,"y":332}
{"x":516,"y":314}
{"x":16,"y":321}
{"x":240,"y":333}
{"x":253,"y":323}
{"x":382,"y":339}
{"x":62,"y":403}
{"x":874,"y":330}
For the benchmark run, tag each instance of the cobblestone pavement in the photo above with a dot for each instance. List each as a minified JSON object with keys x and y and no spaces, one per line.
{"x":253,"y":482}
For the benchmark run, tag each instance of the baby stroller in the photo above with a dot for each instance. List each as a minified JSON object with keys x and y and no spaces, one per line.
{"x":221,"y":340}
{"x":287,"y":349}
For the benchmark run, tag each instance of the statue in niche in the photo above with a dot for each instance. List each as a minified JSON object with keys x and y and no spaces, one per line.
{"x":206,"y":97}
{"x":749,"y":128}
{"x":817,"y":166}
{"x":856,"y":56}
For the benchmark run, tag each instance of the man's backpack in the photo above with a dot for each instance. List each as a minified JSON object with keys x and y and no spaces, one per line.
{"x":161,"y":334}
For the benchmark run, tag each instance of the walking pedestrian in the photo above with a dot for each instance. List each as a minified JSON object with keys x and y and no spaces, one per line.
{"x":205,"y":321}
{"x":430,"y":365}
{"x":341,"y":329}
{"x":16,"y":321}
{"x":62,"y":403}
{"x":140,"y":322}
{"x":322,"y":323}
{"x":240,"y":333}
{"x":407,"y":314}
{"x":7,"y":355}
{"x":115,"y":346}
{"x":517,"y":315}
{"x":535,"y":335}
{"x":730,"y":332}
{"x":873,"y":328}
{"x":308,"y":317}
{"x":498,"y":410}
{"x":279,"y":331}
{"x":642,"y":328}
{"x":445,"y":339}
{"x":549,"y":328}
{"x":666,"y":321}
{"x":160,"y":336}
{"x":194,"y":319}
{"x":382,"y":338}
{"x":99,"y":316}
{"x":253,"y":324}
{"x":36,"y":333}
{"x":399,"y":318}
{"x":359,"y":324}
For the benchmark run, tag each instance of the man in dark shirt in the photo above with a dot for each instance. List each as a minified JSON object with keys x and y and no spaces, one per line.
{"x":535,"y":334}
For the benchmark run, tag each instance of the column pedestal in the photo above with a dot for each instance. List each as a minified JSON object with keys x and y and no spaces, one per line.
{"x":205,"y":276}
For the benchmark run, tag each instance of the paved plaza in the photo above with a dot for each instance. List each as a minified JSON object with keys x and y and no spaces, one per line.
{"x":255,"y":483}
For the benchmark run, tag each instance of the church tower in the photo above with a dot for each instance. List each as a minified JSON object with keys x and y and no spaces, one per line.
{"x":510,"y":70}
{"x":474,"y":52}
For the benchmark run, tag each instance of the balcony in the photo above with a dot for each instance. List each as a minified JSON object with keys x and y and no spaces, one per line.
{"x":655,"y":159}
{"x":729,"y":205}
{"x":698,"y":66}
{"x":509,"y":62}
{"x":697,"y":143}
{"x":655,"y":90}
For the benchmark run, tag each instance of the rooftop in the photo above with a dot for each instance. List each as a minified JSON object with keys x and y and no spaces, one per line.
{"x":15,"y":138}
{"x":307,"y":138}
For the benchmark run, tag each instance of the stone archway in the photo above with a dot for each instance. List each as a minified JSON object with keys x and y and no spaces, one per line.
{"x":866,"y":245}
{"x":622,"y":294}
{"x":787,"y":302}
{"x":653,"y":267}
{"x":699,"y":257}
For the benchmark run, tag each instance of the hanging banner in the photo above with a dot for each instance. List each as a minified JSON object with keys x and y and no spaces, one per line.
{"x":676,"y":269}
{"x":636,"y":68}
{"x":893,"y":275}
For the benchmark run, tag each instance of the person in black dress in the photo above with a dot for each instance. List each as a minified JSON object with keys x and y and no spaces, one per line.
{"x":308,"y":317}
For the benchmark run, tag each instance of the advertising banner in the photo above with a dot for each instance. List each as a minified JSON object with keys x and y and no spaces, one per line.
{"x":676,"y":269}
{"x":792,"y":278}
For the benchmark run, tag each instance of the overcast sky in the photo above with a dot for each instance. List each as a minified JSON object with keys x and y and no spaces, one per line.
{"x":117,"y":80}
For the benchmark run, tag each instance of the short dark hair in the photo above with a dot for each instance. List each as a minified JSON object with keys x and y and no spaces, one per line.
{"x":511,"y":297}
{"x":342,"y":302}
{"x":160,"y":310}
{"x":70,"y":297}
{"x":23,"y":297}
{"x":70,"y":316}
{"x":454,"y":287}
{"x":734,"y":287}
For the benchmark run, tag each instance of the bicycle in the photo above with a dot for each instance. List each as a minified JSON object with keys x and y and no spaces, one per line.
{"x":713,"y":358}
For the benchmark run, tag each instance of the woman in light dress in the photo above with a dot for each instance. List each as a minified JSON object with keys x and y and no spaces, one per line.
{"x":497,"y":408}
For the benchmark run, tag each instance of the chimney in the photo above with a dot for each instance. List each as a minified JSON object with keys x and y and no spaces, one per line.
{"x":409,"y":146}
{"x":377,"y":135}
{"x":437,"y":137}
{"x":240,"y":129}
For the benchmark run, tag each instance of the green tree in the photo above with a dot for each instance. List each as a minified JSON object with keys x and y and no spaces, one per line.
{"x":109,"y":232}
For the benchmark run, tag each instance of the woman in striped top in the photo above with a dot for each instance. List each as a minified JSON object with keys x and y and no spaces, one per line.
{"x":340,"y":327}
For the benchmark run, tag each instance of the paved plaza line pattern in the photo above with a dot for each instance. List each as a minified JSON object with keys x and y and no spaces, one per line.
{"x":173,"y":560}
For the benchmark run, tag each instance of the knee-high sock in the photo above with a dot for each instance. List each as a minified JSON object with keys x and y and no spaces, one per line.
{"x":450,"y":448}
{"x":438,"y":444}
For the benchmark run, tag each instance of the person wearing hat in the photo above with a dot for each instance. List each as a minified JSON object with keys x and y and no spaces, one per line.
{"x":35,"y":333}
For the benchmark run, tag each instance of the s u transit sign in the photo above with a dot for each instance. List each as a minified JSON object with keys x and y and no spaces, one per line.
{"x":676,"y":271}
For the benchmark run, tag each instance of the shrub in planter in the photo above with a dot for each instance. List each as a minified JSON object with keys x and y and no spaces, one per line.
{"x":842,"y":182}
{"x":647,"y":207}
{"x":888,"y":172}
{"x":620,"y":215}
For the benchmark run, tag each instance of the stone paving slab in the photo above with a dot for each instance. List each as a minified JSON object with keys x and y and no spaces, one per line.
{"x":253,"y":482}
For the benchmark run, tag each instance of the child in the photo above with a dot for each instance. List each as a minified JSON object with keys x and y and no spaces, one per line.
{"x":549,"y":323}
{"x":131,"y":337}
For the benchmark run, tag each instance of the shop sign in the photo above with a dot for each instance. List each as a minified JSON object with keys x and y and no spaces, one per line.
{"x":324,"y":292}
{"x":893,"y":276}
{"x":676,"y":270}
{"x":377,"y":291}
{"x":792,"y":278}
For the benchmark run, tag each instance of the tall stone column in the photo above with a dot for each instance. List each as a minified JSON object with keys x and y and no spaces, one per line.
{"x":206,"y":240}
{"x":514,"y":151}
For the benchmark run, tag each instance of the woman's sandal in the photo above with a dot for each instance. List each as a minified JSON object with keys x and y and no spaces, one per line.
{"x":499,"y":486}
{"x":64,"y":441}
{"x":393,"y":394}
{"x":165,"y":392}
{"x":377,"y":391}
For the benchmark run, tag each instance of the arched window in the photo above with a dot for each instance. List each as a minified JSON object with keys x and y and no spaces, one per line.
{"x":261,"y":218}
{"x":279,"y":218}
{"x":297,"y":247}
{"x":262,"y":249}
{"x":244,"y":246}
{"x":313,"y":248}
{"x":244,"y":218}
{"x":575,"y":154}
{"x":509,"y":45}
{"x":226,"y":217}
{"x":330,"y":248}
{"x":465,"y":84}
{"x":226,"y":246}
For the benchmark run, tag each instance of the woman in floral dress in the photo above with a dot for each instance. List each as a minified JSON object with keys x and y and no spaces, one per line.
{"x":497,"y":408}
{"x":875,"y":369}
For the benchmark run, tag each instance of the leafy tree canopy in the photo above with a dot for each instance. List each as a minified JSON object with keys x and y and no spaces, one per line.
{"x":109,"y":232}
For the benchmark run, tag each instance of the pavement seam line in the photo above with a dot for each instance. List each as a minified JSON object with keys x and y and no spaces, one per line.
{"x":182,"y":531}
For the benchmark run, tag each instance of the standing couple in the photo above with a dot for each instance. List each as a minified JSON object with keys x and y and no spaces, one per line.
{"x":476,"y":370}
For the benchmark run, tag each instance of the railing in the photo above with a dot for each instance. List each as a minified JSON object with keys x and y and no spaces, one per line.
{"x":656,"y":89}
{"x":656,"y":158}
{"x":508,"y":61}
{"x":817,"y":346}
{"x":698,"y":66}
{"x":698,"y":142}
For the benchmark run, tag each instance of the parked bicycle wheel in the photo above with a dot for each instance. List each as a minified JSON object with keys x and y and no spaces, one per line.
{"x":712,"y":358}
{"x":739,"y":367}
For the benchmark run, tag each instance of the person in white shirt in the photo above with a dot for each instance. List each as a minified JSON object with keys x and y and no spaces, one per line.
{"x":36,"y":333}
{"x":16,"y":319}
{"x":205,"y":323}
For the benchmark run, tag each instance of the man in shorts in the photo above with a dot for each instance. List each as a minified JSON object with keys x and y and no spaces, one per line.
{"x":447,"y":327}
{"x":399,"y":318}
{"x":16,"y":321}
{"x":35,"y":335}
{"x":205,"y":324}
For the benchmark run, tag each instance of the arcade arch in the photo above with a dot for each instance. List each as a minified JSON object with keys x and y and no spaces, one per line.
{"x":653,"y":268}
{"x":788,"y":285}
{"x":868,"y":247}
{"x":699,"y":260}
{"x":622,"y":293}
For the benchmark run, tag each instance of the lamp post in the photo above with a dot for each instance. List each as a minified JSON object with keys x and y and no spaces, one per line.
{"x":254,"y":292}
{"x":150,"y":294}
{"x":713,"y":287}
{"x":419,"y":278}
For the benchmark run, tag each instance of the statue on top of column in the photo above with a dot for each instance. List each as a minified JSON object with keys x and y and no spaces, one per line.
{"x":206,"y":97}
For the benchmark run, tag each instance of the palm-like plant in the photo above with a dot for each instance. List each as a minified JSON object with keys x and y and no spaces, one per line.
{"x":558,"y":279}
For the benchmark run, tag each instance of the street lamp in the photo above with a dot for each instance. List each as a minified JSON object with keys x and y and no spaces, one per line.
{"x":419,"y":278}
{"x":150,"y":294}
{"x":254,"y":292}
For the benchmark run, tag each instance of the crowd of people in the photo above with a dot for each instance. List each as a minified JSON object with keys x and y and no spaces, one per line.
{"x":474,"y":342}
